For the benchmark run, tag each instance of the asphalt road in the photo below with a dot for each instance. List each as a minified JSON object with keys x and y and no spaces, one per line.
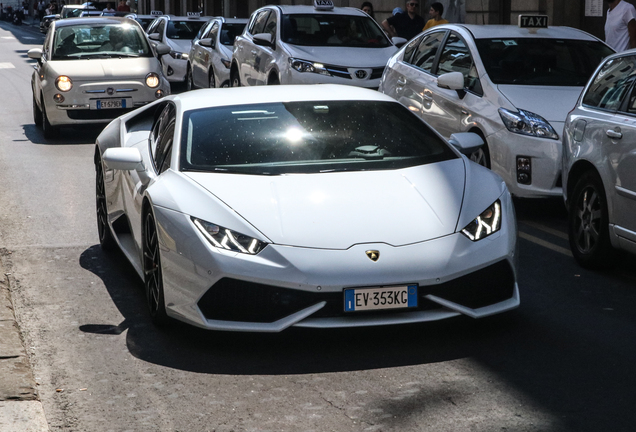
{"x":562,"y":362}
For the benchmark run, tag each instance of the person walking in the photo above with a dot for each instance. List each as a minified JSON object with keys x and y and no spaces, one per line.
{"x":436,"y":12}
{"x":406,"y":25}
{"x":620,"y":25}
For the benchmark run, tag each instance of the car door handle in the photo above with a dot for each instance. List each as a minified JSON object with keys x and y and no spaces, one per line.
{"x":427,"y":97}
{"x":401,"y":81}
{"x":254,"y":52}
{"x":614,"y":134}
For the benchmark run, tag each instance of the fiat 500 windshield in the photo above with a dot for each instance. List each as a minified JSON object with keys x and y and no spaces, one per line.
{"x":88,"y":41}
{"x":307,"y":137}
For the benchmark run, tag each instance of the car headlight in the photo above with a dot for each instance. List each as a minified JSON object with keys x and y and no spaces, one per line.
{"x":152,"y":80}
{"x":488,"y":222}
{"x":224,"y":238}
{"x":527,"y":123}
{"x":178,"y":55}
{"x":308,"y":66}
{"x":63,"y":83}
{"x":226,"y":63}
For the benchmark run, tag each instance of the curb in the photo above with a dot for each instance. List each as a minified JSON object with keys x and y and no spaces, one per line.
{"x":20,"y":407}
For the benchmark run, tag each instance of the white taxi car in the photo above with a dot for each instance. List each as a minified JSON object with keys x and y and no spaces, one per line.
{"x":209,"y":59}
{"x":177,"y":32}
{"x":512,"y":85}
{"x":311,"y":45}
{"x":92,"y":70}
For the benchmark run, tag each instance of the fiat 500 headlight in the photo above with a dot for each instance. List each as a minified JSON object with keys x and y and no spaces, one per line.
{"x":152,"y":80}
{"x":527,"y":123}
{"x":224,"y":238}
{"x":488,"y":222}
{"x":308,"y":66}
{"x":63,"y":83}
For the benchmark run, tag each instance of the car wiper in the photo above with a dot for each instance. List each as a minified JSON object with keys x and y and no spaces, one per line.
{"x":96,"y":56}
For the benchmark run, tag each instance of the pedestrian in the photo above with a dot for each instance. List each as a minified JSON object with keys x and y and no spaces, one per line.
{"x":123,"y":7}
{"x":405,"y":25}
{"x":368,"y":8}
{"x":436,"y":12}
{"x":620,"y":25}
{"x":41,"y":9}
{"x":109,"y":8}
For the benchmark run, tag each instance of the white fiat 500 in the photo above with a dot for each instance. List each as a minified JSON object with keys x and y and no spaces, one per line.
{"x":258,"y":209}
{"x":92,"y":70}
{"x":513,"y":86}
{"x":177,"y":32}
{"x":311,"y":45}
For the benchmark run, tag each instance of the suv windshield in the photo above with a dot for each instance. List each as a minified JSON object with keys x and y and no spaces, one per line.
{"x":307,"y":137}
{"x":333,"y":30}
{"x":547,"y":62}
{"x":98,"y":41}
{"x":184,"y":29}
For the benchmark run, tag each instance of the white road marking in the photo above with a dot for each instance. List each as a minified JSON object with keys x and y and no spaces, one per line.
{"x":28,"y":37}
{"x":7,"y":66}
{"x":8,"y":37}
{"x":545,"y":244}
{"x":546,"y":229}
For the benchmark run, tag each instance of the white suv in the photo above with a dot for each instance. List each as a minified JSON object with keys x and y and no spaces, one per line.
{"x":311,"y":45}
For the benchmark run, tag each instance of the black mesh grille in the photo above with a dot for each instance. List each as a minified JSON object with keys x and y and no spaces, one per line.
{"x":96,"y":114}
{"x":377,"y":73}
{"x":236,"y":300}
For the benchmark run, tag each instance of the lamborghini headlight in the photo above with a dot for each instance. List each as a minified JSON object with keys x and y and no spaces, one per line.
{"x":224,"y":238}
{"x":63,"y":83}
{"x":485,"y":224}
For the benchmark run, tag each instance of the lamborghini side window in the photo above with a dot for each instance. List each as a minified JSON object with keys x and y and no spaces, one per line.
{"x":165,"y":148}
{"x":162,"y":129}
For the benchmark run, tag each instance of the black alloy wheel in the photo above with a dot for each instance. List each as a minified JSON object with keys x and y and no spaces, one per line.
{"x":153,"y":278}
{"x":481,"y":155}
{"x":588,"y":223}
{"x":235,"y":81}
{"x":212,"y":82}
{"x":37,"y":113}
{"x":189,"y":85}
{"x":106,"y":239}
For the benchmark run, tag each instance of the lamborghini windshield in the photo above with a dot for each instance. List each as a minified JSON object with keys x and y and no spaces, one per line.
{"x":307,"y":137}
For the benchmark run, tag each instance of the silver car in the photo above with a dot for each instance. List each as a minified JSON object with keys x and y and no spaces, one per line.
{"x":599,"y":164}
{"x":211,"y":53}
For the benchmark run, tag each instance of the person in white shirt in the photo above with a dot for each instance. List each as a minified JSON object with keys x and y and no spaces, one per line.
{"x":109,"y":8}
{"x":620,"y":26}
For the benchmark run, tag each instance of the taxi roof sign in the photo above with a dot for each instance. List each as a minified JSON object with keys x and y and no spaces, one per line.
{"x":533,"y":21}
{"x":193,"y":14}
{"x":156,"y":12}
{"x":323,"y":4}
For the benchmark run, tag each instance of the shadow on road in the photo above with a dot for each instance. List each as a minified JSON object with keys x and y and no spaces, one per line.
{"x":69,"y":135}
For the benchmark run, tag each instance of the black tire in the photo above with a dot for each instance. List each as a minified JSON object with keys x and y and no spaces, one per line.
{"x":235,"y":81}
{"x":482,"y":155}
{"x":47,"y":130}
{"x":212,"y":80}
{"x":106,"y":239}
{"x":273,"y":80}
{"x":588,"y":223}
{"x":37,"y":113}
{"x":153,"y":277}
{"x":189,"y":84}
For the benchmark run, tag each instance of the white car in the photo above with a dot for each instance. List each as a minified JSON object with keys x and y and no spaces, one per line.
{"x":177,"y":32}
{"x":91,"y":70}
{"x":211,"y":53}
{"x":257,"y":209}
{"x":513,"y":86}
{"x":599,"y":164}
{"x":311,"y":45}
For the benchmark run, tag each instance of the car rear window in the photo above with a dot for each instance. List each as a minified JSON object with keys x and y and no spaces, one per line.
{"x":332,"y":30}
{"x":184,"y":29}
{"x":546,"y":62}
{"x":308,"y":137}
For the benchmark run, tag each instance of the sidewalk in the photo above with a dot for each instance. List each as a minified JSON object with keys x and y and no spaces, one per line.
{"x":20,"y":409}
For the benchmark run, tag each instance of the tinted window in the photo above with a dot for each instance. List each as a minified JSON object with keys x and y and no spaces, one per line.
{"x":332,"y":30}
{"x":270,"y":27}
{"x":525,"y":61}
{"x":186,"y":30}
{"x":455,"y":57}
{"x":307,"y":137}
{"x":259,"y":22}
{"x":425,"y":54}
{"x":609,"y":86}
{"x":229,"y":32}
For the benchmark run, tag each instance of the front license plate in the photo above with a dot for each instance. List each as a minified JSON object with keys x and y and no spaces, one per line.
{"x":111,"y":103}
{"x":396,"y":297}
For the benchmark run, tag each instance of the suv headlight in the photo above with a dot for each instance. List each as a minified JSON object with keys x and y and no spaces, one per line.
{"x":527,"y":123}
{"x":152,"y":80}
{"x":178,"y":55}
{"x":63,"y":83}
{"x":227,"y":239}
{"x":488,"y":222}
{"x":308,"y":66}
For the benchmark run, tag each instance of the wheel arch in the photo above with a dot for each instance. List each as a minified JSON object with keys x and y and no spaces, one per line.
{"x":273,"y":74}
{"x":575,"y":173}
